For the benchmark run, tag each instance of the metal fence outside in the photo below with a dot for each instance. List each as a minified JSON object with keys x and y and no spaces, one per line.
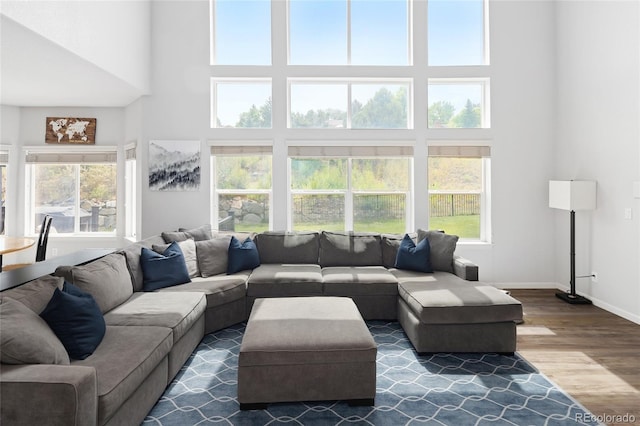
{"x":445,"y":204}
{"x":382,"y":206}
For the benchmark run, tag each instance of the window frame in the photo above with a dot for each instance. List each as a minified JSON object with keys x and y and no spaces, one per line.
{"x":485,"y":97}
{"x":72,"y":152}
{"x":230,"y":149}
{"x":349,"y":193}
{"x":349,"y":83}
{"x":213,"y":51}
{"x":213,"y":103}
{"x":348,"y":59}
{"x":486,"y":52}
{"x":483,"y":153}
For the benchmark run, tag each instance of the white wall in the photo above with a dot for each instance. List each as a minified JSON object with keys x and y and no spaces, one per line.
{"x":598,"y":138}
{"x":522,"y":115}
{"x":178,"y":109}
{"x":114,"y":35}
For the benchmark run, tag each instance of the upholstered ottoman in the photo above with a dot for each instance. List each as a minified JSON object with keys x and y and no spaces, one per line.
{"x":458,"y":317}
{"x":306,"y":349}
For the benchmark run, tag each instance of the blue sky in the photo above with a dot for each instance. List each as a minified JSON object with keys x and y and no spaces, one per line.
{"x":318,"y":32}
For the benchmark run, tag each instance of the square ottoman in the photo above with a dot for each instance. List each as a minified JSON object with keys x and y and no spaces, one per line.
{"x":458,"y":317}
{"x":306,"y":349}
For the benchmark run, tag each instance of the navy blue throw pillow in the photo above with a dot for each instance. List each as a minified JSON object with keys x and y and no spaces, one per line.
{"x":163,"y":270}
{"x":412,"y":257}
{"x":75,"y":318}
{"x":242,"y":256}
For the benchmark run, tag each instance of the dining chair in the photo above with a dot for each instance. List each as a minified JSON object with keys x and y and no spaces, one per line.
{"x":41,"y":249}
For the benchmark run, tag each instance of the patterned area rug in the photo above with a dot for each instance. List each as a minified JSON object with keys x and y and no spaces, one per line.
{"x":440,"y":389}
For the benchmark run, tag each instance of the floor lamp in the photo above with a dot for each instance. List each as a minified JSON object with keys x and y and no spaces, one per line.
{"x":572,"y":195}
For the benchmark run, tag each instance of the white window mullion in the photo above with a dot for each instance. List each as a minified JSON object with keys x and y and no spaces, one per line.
{"x":348,"y":199}
{"x":76,"y":225}
{"x":349,"y":32}
{"x":29,"y":199}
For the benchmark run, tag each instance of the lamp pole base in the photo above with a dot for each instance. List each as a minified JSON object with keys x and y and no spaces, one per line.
{"x":573,"y":299}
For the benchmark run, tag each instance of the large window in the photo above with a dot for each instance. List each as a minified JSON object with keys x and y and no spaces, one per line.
{"x":332,"y":84}
{"x":456,"y":32}
{"x":78,"y":189}
{"x":458,"y":103}
{"x":356,"y":32}
{"x":355,"y":105}
{"x":242,"y":188}
{"x":356,"y":188}
{"x":458,"y":190}
{"x":241,"y":103}
{"x":241,"y":32}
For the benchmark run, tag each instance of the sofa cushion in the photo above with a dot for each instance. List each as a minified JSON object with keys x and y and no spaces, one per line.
{"x":271,"y":280}
{"x":414,"y":257}
{"x":219,"y":289}
{"x":447,"y":301}
{"x":442,"y":248}
{"x":288,"y":247}
{"x":358,"y":280}
{"x":26,"y":338}
{"x":75,"y":318}
{"x":242,"y":256}
{"x":213,"y":255}
{"x":35,"y":294}
{"x":177,"y":311}
{"x":350,"y":249}
{"x":188,"y":248}
{"x":126,"y":357}
{"x":107,"y":279}
{"x":163,"y":269}
{"x":132,"y":253}
{"x":198,"y":234}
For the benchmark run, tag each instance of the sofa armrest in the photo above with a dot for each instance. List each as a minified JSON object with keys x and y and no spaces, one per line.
{"x":465,"y":268}
{"x":48,"y":394}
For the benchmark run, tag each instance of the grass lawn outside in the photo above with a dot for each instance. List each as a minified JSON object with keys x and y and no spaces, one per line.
{"x":467,"y":226}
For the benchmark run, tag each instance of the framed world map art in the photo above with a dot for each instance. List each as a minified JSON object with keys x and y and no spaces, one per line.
{"x":67,"y":130}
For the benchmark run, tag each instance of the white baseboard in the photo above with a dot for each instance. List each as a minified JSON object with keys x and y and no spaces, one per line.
{"x":614,"y":310}
{"x":546,"y":285}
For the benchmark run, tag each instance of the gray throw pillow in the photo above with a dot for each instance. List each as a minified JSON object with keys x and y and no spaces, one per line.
{"x":213,"y":256}
{"x":288,"y":247}
{"x":26,"y":338}
{"x":36,"y":294}
{"x":442,"y":248}
{"x":107,"y":279}
{"x":197,"y":234}
{"x":188,"y":248}
{"x":350,"y":249}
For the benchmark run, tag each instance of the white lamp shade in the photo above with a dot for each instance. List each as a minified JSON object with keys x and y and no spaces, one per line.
{"x":572,"y":194}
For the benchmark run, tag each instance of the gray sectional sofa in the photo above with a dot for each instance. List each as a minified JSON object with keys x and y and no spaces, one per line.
{"x":150,"y":334}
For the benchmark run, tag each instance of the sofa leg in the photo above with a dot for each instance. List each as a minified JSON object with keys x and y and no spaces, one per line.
{"x":366,"y":402}
{"x":253,"y":406}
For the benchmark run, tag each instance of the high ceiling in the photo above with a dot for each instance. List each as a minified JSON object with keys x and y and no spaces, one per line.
{"x":35,"y":72}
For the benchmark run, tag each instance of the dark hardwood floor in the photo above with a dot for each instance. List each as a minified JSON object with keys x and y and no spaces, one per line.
{"x":592,"y":354}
